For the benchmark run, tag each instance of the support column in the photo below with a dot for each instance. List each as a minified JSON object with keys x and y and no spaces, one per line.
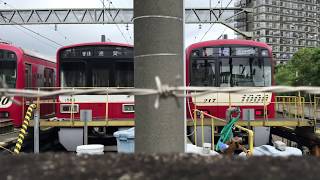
{"x":36,"y":131}
{"x":158,"y":46}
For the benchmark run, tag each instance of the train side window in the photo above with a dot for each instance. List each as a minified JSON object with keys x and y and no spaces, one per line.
{"x":48,"y":77}
{"x":28,"y":75}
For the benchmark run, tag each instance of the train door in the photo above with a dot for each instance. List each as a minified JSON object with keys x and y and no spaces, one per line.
{"x":28,"y":76}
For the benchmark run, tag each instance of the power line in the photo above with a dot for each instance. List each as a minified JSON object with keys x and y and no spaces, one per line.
{"x":213,"y":24}
{"x":5,"y":3}
{"x":206,"y":32}
{"x":162,"y":90}
{"x":207,"y":16}
{"x":55,"y":47}
{"x":222,"y":33}
{"x":104,"y":6}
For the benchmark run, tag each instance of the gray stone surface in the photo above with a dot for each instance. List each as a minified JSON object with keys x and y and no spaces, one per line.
{"x":156,"y":166}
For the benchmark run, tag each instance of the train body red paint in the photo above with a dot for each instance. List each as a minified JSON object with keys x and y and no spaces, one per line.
{"x":230,"y":63}
{"x":23,"y":69}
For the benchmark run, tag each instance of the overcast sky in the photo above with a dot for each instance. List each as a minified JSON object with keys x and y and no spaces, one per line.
{"x":70,"y":34}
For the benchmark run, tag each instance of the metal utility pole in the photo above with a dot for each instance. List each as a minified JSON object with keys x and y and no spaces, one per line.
{"x":158,"y":46}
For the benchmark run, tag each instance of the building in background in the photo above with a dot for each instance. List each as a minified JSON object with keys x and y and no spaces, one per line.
{"x":286,"y":25}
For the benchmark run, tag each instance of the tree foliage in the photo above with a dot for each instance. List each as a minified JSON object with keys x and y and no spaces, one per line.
{"x":302,"y":70}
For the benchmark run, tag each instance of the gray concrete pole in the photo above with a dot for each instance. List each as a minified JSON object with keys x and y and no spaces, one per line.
{"x":36,"y":132}
{"x":158,"y":46}
{"x":85,"y":115}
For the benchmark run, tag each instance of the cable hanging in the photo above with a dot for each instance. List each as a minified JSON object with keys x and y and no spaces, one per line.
{"x":161,"y":90}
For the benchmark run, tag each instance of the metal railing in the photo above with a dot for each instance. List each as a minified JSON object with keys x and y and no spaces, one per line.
{"x":291,"y":106}
{"x":213,"y":118}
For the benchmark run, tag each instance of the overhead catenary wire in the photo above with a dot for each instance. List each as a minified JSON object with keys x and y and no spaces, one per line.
{"x":44,"y":37}
{"x":127,"y":26}
{"x":122,"y":34}
{"x":28,"y":29}
{"x":44,"y":42}
{"x":213,"y":23}
{"x":59,"y":33}
{"x":207,"y":16}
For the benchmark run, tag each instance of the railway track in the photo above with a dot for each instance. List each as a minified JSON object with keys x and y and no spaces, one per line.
{"x":48,"y":141}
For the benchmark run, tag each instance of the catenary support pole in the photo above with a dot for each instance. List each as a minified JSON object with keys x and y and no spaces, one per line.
{"x":158,"y":43}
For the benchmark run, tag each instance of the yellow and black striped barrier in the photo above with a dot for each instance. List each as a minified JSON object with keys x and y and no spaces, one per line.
{"x":24,"y":128}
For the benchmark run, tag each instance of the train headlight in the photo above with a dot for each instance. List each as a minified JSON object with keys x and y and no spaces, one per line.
{"x":69,"y":108}
{"x":127,"y":108}
{"x":4,"y":114}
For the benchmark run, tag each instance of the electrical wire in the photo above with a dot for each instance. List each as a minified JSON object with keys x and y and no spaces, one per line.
{"x":28,"y":29}
{"x":122,"y":34}
{"x":113,"y":6}
{"x":211,"y":24}
{"x":161,"y":90}
{"x":222,"y":33}
{"x":44,"y":42}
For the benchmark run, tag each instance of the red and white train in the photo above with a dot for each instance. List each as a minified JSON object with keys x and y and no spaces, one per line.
{"x":98,"y":65}
{"x":22,"y":69}
{"x":231,"y":63}
{"x":218,"y":63}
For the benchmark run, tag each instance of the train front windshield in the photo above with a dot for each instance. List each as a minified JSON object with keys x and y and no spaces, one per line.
{"x":8,"y":67}
{"x":106,"y":66}
{"x":230,"y":66}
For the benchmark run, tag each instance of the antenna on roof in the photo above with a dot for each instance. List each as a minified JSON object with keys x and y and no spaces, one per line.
{"x":103,"y":38}
{"x":5,"y":41}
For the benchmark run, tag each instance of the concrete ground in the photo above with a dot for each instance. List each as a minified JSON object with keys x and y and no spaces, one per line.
{"x":56,"y":166}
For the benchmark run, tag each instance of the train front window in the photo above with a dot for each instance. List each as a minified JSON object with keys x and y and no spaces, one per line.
{"x":115,"y":73}
{"x":8,"y":67}
{"x":73,"y":74}
{"x":203,"y":72}
{"x":245,"y":71}
{"x":101,"y":74}
{"x":124,"y":74}
{"x":235,"y":66}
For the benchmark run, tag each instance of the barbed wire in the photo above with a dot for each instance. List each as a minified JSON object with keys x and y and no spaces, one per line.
{"x":161,"y":90}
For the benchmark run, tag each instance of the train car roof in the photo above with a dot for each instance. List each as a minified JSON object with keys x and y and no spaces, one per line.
{"x":226,"y":42}
{"x":94,"y":44}
{"x":28,"y":52}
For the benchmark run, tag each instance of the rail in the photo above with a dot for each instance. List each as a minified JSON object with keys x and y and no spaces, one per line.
{"x":203,"y":114}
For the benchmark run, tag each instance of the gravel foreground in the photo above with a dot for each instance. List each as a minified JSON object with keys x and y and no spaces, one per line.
{"x":55,"y":166}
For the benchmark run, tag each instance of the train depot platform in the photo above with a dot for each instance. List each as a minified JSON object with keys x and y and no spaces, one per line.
{"x":156,"y":166}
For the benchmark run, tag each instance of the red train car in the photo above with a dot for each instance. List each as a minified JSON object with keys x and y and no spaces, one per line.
{"x":98,"y":65}
{"x":230,"y":63}
{"x":23,"y":69}
{"x":218,"y":63}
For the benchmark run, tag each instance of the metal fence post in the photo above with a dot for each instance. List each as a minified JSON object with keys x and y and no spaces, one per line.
{"x":85,"y":115}
{"x":36,"y":132}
